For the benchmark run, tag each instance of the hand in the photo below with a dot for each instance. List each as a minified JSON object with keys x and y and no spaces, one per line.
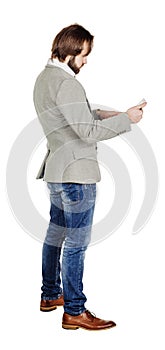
{"x":135,"y":113}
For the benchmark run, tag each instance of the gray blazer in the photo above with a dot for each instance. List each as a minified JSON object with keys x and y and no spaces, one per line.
{"x":71,"y":128}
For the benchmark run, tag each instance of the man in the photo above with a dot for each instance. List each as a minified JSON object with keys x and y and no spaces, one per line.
{"x":71,"y":171}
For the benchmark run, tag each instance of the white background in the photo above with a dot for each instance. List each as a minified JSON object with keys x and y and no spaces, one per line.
{"x":124,"y":275}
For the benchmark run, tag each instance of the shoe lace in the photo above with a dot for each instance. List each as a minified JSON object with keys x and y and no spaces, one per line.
{"x":90,"y":315}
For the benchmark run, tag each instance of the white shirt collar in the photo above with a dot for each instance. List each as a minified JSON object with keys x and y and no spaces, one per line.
{"x":55,"y":62}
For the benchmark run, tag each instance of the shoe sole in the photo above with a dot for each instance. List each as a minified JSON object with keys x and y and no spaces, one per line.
{"x":47,"y":309}
{"x":50,"y":308}
{"x":72,"y":327}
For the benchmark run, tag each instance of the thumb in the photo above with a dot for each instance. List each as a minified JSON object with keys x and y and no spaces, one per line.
{"x":142,"y":105}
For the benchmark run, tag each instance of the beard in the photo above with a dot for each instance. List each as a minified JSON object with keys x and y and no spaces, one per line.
{"x":73,"y":65}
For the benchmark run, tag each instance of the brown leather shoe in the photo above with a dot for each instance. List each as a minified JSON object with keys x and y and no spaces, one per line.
{"x":50,"y":305}
{"x":87,"y":321}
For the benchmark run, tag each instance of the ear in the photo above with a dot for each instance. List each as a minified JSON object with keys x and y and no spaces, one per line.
{"x":67,"y":58}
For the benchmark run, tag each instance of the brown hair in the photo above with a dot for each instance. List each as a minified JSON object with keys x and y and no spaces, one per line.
{"x":69,"y":41}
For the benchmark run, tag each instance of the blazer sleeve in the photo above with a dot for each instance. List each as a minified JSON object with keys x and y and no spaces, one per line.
{"x":72,"y":103}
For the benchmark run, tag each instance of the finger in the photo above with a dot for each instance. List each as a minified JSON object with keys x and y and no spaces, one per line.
{"x":138,"y":119}
{"x":139,"y":115}
{"x":139,"y":112}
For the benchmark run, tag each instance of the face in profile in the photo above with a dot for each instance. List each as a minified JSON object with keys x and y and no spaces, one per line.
{"x":77,"y":62}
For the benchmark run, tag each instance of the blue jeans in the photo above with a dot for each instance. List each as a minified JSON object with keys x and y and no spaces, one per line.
{"x":69,"y":232}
